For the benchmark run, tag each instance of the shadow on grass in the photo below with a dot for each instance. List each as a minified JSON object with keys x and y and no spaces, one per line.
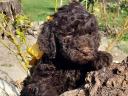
{"x":51,"y":8}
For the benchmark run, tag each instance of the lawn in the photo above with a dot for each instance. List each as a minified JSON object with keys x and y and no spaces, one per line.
{"x":39,"y":9}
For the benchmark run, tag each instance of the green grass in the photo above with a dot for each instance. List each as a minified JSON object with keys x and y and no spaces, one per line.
{"x":39,"y":9}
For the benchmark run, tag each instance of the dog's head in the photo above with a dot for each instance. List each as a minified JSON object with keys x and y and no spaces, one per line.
{"x":73,"y":33}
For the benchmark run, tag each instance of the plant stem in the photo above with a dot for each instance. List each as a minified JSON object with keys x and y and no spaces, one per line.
{"x":56,"y":5}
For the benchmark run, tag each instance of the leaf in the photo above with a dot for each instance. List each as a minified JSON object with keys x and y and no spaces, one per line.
{"x":49,"y":18}
{"x":35,"y":51}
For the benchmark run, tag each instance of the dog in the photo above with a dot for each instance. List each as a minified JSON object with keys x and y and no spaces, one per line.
{"x":70,"y":42}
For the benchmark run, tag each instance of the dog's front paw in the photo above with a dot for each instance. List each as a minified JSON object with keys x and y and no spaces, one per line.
{"x":103,"y":59}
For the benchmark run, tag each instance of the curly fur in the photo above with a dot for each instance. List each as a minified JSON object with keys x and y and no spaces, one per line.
{"x":70,"y":42}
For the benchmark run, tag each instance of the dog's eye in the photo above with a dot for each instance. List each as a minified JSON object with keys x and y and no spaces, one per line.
{"x":92,"y":24}
{"x":89,"y":33}
{"x":67,"y":38}
{"x":72,"y":18}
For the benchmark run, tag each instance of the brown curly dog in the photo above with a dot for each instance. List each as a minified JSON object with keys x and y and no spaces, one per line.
{"x":70,"y":42}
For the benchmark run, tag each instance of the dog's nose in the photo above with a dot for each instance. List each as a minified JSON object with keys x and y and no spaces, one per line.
{"x":87,"y":51}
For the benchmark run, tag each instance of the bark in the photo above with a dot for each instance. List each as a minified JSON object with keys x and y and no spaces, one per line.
{"x":10,"y":8}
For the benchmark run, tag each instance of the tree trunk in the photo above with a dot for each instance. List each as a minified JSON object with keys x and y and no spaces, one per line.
{"x":10,"y":8}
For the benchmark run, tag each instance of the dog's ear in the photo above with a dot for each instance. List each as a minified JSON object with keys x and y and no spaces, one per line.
{"x":46,"y":41}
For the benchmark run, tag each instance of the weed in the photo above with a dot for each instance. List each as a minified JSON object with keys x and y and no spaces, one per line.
{"x":14,"y":31}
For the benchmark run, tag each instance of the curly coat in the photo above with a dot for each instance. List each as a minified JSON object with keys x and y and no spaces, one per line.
{"x":70,"y":42}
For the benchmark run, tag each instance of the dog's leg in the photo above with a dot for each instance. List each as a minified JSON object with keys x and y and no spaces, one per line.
{"x":103,"y":59}
{"x":40,"y":82}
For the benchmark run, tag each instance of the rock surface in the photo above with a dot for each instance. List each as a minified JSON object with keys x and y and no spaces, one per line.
{"x":110,"y":81}
{"x":119,"y":50}
{"x":76,"y":92}
{"x":10,"y":68}
{"x":9,"y":65}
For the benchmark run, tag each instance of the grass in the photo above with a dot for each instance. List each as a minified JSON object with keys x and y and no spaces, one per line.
{"x":38,"y":10}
